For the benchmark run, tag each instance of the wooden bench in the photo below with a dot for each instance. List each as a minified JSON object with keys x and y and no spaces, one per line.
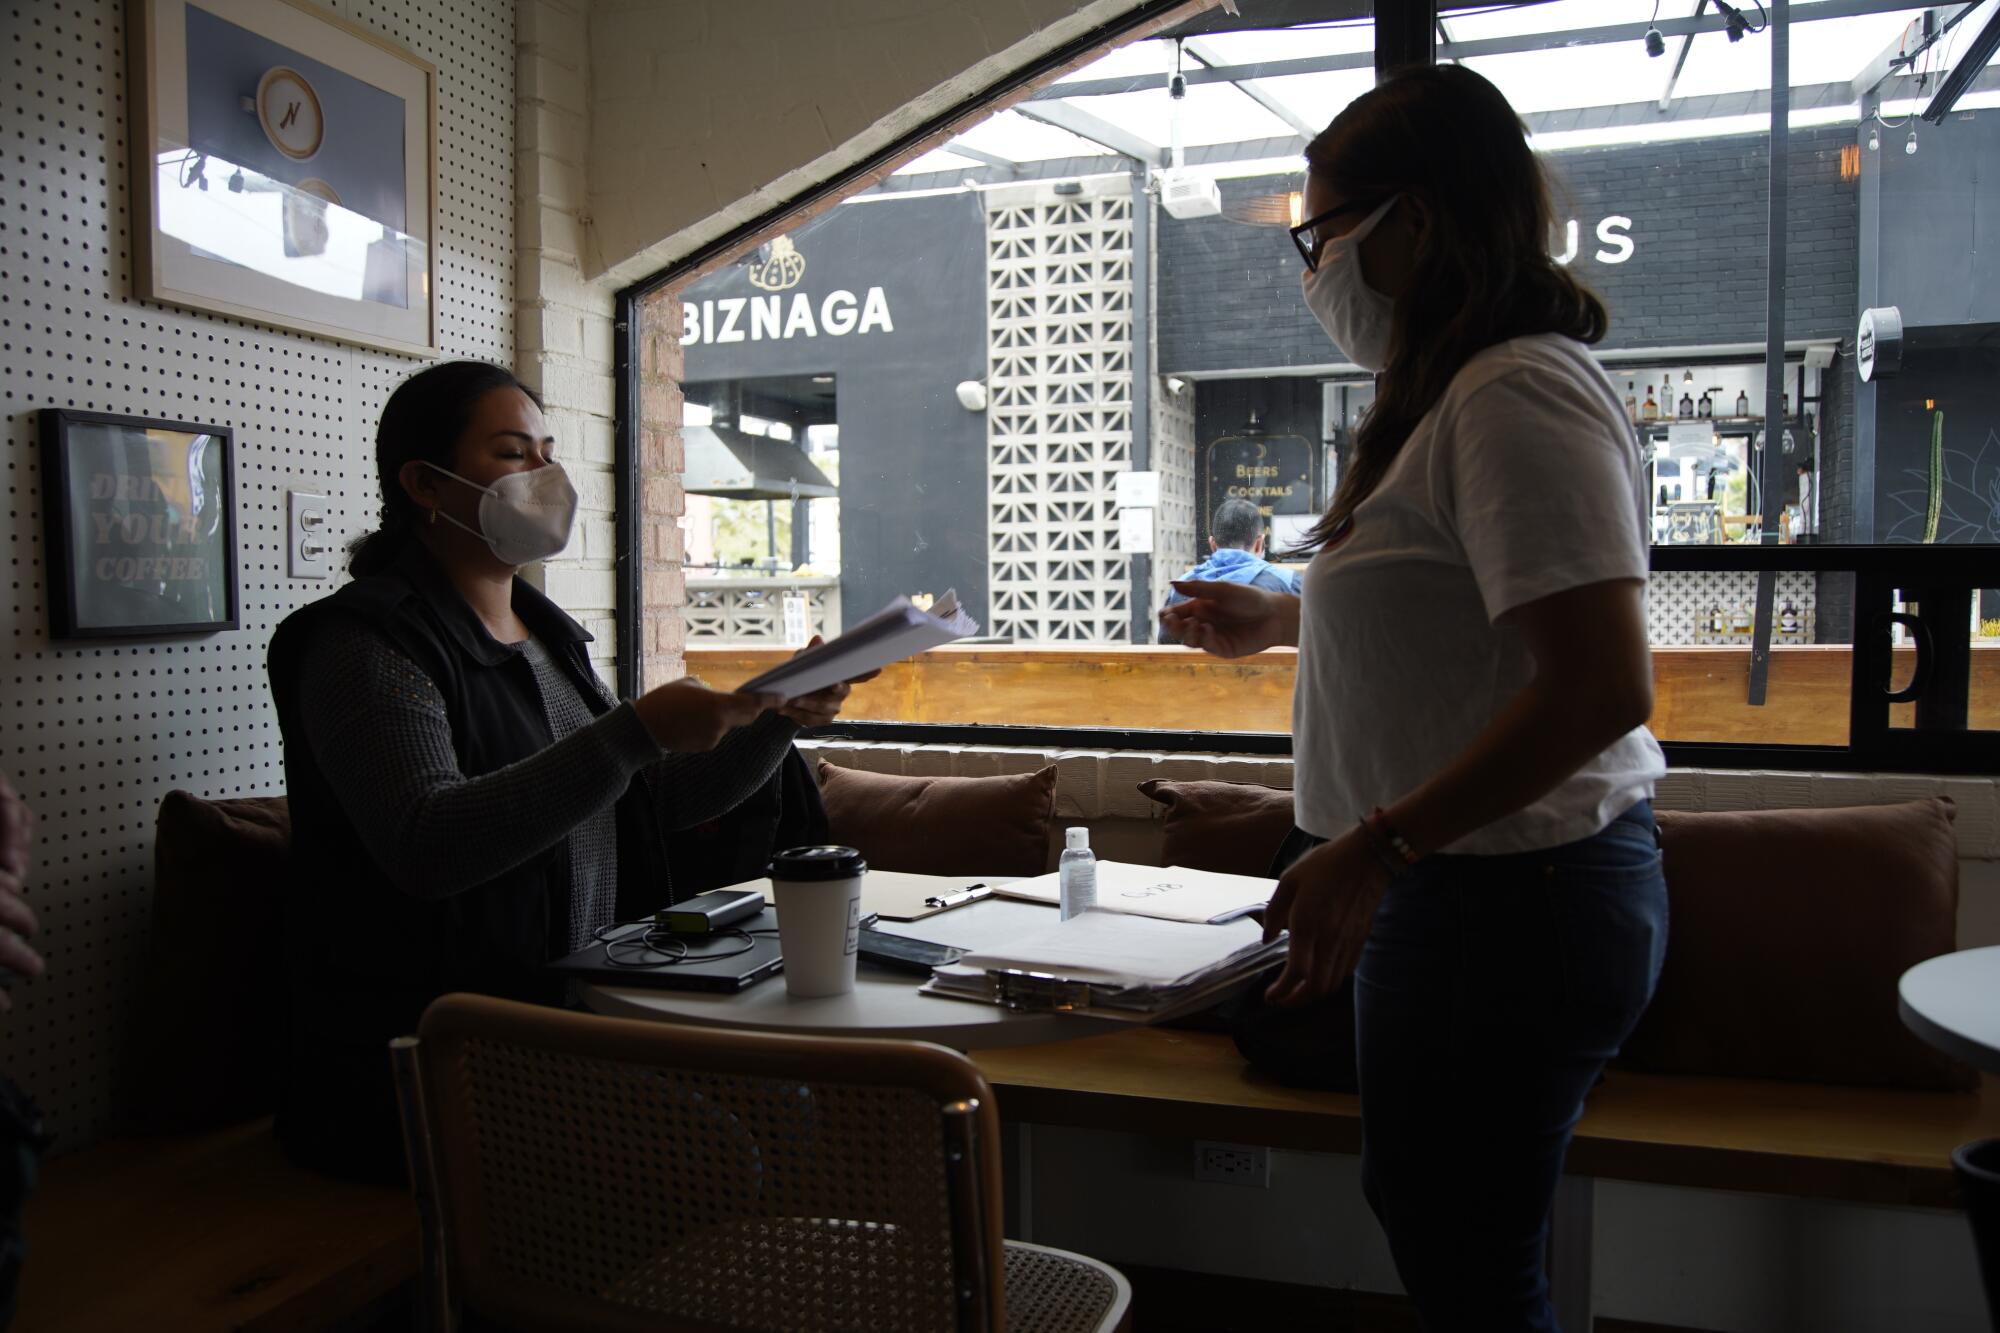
{"x":212,"y":1231}
{"x":1858,"y":1145}
{"x":1805,"y":1140}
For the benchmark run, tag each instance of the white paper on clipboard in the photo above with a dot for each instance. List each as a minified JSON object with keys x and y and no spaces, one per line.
{"x":897,"y":631}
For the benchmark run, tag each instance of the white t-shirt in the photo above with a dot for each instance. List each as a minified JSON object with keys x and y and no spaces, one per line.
{"x":1523,"y":481}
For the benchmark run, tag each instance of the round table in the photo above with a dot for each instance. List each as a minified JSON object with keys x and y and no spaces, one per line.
{"x":884,"y":1003}
{"x":1953,"y":1003}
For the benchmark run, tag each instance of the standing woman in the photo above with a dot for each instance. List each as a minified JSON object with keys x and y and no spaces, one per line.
{"x":1474,"y":777}
{"x":468,"y":802}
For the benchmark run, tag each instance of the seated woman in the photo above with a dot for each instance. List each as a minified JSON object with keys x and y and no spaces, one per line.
{"x":468,"y":801}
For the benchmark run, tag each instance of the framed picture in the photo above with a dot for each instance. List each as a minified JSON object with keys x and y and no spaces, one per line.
{"x":286,"y":163}
{"x":139,"y":518}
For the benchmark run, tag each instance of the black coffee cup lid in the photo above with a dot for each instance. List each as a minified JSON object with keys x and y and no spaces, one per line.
{"x":811,"y":863}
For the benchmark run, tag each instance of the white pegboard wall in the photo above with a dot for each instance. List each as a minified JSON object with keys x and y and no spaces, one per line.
{"x":94,"y":735}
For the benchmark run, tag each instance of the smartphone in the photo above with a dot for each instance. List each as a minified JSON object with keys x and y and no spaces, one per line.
{"x":904,"y":954}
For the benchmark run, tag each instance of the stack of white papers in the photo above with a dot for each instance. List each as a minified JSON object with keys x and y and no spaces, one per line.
{"x":1174,"y":893}
{"x":1131,"y":963}
{"x":897,"y":631}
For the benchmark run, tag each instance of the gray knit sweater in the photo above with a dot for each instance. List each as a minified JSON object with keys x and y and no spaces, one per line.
{"x":377,"y":727}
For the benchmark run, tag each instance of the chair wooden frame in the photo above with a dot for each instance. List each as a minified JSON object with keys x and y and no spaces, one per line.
{"x":438,"y":1139}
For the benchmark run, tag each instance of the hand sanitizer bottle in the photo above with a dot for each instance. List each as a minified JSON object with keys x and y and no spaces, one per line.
{"x":1078,"y":873}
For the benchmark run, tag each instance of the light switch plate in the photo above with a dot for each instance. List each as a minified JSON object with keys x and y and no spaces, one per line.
{"x":308,"y":535}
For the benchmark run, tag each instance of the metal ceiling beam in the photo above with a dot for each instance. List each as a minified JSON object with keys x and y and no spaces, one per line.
{"x":1804,"y":98}
{"x":1890,"y":58}
{"x":1959,"y":80}
{"x":963,"y":149}
{"x":1491,"y":46}
{"x":1405,"y":35}
{"x":1066,"y":116}
{"x":1206,"y":54}
{"x":1680,"y":62}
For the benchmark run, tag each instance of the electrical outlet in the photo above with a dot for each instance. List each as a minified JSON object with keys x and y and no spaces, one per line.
{"x":308,"y":542}
{"x":1233,"y":1164}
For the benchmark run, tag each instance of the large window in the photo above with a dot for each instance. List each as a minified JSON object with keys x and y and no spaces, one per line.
{"x":1030,"y":364}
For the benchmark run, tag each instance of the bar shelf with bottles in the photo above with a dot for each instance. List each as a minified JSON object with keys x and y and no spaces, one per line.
{"x":1700,"y":445}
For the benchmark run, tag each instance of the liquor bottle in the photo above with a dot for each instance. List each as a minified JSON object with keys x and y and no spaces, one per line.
{"x":1788,"y":619}
{"x":1742,"y":403}
{"x":1716,"y":624}
{"x":1631,"y":404}
{"x":1706,"y":408}
{"x":1739,"y":619}
{"x":1652,"y":407}
{"x":1686,"y":412}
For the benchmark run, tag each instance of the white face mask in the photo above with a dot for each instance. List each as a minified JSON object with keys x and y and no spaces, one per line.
{"x":1356,"y":316}
{"x":524,"y":516}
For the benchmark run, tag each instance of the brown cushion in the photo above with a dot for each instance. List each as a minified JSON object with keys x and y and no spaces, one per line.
{"x":942,"y":826}
{"x":1789,"y":931}
{"x":1232,"y":828}
{"x":211,"y":1025}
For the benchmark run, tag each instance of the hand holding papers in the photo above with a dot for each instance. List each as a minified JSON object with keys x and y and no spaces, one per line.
{"x":1172,"y":894}
{"x":897,"y":631}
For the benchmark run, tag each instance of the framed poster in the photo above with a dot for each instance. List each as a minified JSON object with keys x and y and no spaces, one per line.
{"x":139,"y":521}
{"x":286,"y":163}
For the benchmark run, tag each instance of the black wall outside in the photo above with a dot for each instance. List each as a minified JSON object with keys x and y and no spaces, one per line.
{"x":1284,"y":406}
{"x":1940,"y":212}
{"x":912,"y":460}
{"x":1963,"y":386}
{"x":1229,"y":292}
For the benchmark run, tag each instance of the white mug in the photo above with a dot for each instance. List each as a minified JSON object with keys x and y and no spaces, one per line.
{"x":817,"y":891}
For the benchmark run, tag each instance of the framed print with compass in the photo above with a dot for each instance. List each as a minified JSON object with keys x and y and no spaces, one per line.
{"x":286,"y":160}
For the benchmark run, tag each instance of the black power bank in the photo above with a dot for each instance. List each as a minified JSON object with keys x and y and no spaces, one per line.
{"x":706,"y":913}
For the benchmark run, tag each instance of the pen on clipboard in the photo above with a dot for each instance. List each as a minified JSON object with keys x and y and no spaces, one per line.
{"x":971,"y":893}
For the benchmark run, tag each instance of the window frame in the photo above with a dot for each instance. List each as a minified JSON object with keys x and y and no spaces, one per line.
{"x":1878,"y":569}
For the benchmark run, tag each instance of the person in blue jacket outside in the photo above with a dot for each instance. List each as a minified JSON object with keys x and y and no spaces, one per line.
{"x":1236,"y":554}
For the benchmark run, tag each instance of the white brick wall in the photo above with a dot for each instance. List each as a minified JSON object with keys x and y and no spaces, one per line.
{"x":563,"y":321}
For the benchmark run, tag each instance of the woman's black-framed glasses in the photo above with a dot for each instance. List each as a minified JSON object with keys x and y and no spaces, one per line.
{"x":1305,"y":235}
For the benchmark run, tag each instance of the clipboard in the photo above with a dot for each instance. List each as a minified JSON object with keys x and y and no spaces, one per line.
{"x":896,"y":895}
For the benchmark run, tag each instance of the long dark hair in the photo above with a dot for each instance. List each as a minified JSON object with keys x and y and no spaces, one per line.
{"x":421,"y":422}
{"x":1482,"y":272}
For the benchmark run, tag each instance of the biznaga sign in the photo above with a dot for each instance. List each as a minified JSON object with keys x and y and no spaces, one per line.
{"x":735,"y":319}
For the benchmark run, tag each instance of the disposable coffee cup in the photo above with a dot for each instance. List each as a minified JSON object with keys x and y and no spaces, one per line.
{"x":817,"y":891}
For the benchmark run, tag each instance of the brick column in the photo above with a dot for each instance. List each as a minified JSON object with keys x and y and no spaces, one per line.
{"x":662,"y":627}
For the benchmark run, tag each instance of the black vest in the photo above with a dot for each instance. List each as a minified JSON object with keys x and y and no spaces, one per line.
{"x":365,"y":957}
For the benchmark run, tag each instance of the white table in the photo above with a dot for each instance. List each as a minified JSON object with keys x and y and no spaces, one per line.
{"x":883,"y":1003}
{"x":1953,"y":1003}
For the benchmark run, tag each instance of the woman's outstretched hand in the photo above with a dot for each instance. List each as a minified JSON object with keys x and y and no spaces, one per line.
{"x":1327,"y":900}
{"x":821,"y":706}
{"x":1231,"y":619}
{"x":686,"y":716}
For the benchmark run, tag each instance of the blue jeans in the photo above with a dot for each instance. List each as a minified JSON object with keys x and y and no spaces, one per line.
{"x":1491,"y":993}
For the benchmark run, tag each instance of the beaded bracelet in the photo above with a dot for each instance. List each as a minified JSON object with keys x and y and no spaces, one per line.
{"x":1383,"y":853}
{"x":1397,"y":842}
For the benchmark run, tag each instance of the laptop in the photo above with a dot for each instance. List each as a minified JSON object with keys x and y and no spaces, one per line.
{"x":713,"y":963}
